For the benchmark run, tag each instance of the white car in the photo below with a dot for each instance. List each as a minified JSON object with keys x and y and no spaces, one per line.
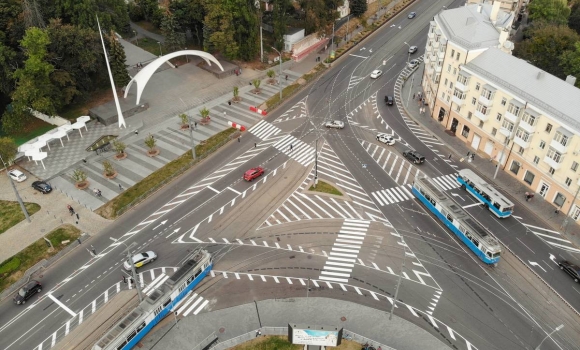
{"x":413,"y":49}
{"x":140,"y":260}
{"x":337,"y":124}
{"x":386,"y":139}
{"x":376,"y":73}
{"x":17,"y":175}
{"x":413,"y":63}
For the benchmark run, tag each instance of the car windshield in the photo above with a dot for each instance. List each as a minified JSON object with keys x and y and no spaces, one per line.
{"x":145,"y":255}
{"x":22,"y":292}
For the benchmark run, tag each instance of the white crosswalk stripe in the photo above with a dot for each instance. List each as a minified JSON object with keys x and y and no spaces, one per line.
{"x":296,"y":149}
{"x":403,"y":193}
{"x":191,"y":304}
{"x":551,"y":237}
{"x":354,"y":80}
{"x":305,"y":205}
{"x":264,"y":130}
{"x":295,"y":112}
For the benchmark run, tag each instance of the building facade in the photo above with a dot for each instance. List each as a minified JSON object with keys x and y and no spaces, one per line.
{"x":504,"y":108}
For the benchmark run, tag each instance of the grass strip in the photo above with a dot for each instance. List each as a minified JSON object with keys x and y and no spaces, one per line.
{"x":325,"y":188}
{"x":11,"y":214}
{"x":275,"y":342}
{"x":161,"y":176}
{"x":12,"y":269}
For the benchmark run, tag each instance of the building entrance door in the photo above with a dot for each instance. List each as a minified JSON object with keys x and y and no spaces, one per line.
{"x":544,"y":188}
{"x":475,"y":142}
{"x":488,"y":147}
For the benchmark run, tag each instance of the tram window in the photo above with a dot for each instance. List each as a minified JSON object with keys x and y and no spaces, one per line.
{"x":433,"y":202}
{"x":496,"y":204}
{"x":122,"y":345}
{"x":198,"y":273}
{"x":131,"y":336}
{"x":158,"y":310}
{"x":444,"y":212}
{"x":488,"y":254}
{"x":141,"y":326}
{"x":475,"y":241}
{"x":495,"y":255}
{"x":190,"y":279}
{"x":166,"y":303}
{"x":422,"y":191}
{"x":427,"y":197}
{"x":449,"y":217}
{"x":462,"y":229}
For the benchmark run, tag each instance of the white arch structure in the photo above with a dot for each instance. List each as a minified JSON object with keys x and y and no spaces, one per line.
{"x":142,"y":78}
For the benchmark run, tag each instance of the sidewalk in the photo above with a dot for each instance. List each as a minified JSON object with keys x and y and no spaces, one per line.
{"x":484,"y":166}
{"x":192,"y":331}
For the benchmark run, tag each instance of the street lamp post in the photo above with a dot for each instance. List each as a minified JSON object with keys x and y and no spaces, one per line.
{"x":279,"y":74}
{"x":399,"y":281}
{"x":554,"y":331}
{"x":186,"y":56}
{"x":160,"y":52}
{"x":565,"y":223}
{"x":133,"y":272}
{"x":136,"y":39}
{"x":409,"y":54}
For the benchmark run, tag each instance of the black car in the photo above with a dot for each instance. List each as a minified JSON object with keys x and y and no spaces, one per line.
{"x":389,"y":100}
{"x":41,"y":186}
{"x":571,"y":269}
{"x":414,"y":156}
{"x":27,"y":292}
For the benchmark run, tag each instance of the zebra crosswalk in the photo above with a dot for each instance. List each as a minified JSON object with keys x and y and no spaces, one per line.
{"x":403,"y":193}
{"x":296,"y":149}
{"x":553,"y":238}
{"x":344,"y":252}
{"x":192,"y":303}
{"x":264,"y":130}
{"x":354,"y":80}
{"x":393,"y":164}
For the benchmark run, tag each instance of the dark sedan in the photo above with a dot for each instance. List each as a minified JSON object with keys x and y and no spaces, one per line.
{"x":42,"y":187}
{"x":27,"y":292}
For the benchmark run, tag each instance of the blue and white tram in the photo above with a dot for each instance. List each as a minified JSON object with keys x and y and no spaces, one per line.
{"x":133,"y":327}
{"x":471,"y":233}
{"x":496,"y":202}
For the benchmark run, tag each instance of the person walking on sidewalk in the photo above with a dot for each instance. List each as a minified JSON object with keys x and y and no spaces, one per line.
{"x":70,"y":210}
{"x":449,"y":156}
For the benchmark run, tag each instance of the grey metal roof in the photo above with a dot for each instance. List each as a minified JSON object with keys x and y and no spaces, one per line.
{"x":553,"y":95}
{"x":471,"y":29}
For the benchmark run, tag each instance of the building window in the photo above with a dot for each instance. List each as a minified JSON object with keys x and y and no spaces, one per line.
{"x":560,"y":199}
{"x":549,"y":128}
{"x":529,"y":177}
{"x":448,"y":97}
{"x":509,"y":126}
{"x":515,"y":167}
{"x":443,"y":95}
{"x":503,"y":101}
{"x":551,"y":171}
{"x":513,"y":109}
{"x":561,"y":139}
{"x":574,"y":166}
{"x":528,"y":118}
{"x":458,"y":55}
{"x":452,"y":53}
{"x":576,"y":213}
{"x":477,"y":86}
{"x":480,"y":124}
{"x":473,"y":101}
{"x":521,"y":150}
{"x":522,"y":134}
{"x":458,"y":108}
{"x":542,"y":144}
{"x":568,"y":181}
{"x":536,"y":159}
{"x":451,"y":85}
{"x":459,"y":94}
{"x":555,"y":156}
{"x":482,"y":109}
{"x":448,"y":68}
{"x":462,"y":79}
{"x":469,"y":115}
{"x":498,"y":118}
{"x":445,"y":82}
{"x":487,"y":94}
{"x":465,"y":131}
{"x":454,"y":71}
{"x":493,"y":131}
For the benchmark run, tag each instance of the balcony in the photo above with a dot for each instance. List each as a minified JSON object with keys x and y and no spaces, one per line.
{"x":484,"y":101}
{"x":441,"y":54}
{"x":558,"y":146}
{"x":436,"y":45}
{"x":431,"y":35}
{"x":511,"y":117}
{"x":505,"y":132}
{"x":426,"y":59}
{"x":457,"y":100}
{"x":481,"y":116}
{"x":553,"y":163}
{"x":461,"y":87}
{"x":520,"y":142}
{"x":438,"y":68}
{"x":527,"y":127}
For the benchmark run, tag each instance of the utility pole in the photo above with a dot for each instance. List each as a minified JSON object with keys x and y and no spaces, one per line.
{"x":191,"y":124}
{"x":316,"y":164}
{"x":22,"y":207}
{"x":130,"y":260}
{"x":280,"y":71}
{"x":509,"y":138}
{"x":399,"y":281}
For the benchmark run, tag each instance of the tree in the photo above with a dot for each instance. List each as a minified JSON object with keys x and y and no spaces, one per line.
{"x":320,"y":15}
{"x":117,"y":61}
{"x":150,"y":142}
{"x":174,"y":37}
{"x":190,"y":15}
{"x":570,"y":63}
{"x":8,"y":150}
{"x":108,"y":168}
{"x":257,"y":83}
{"x":574,"y":19}
{"x":280,"y":16}
{"x":7,"y":64}
{"x":111,"y":13}
{"x":545,"y":46}
{"x":550,"y":11}
{"x":79,"y":176}
{"x":358,"y":7}
{"x":270,"y":73}
{"x":204,"y":112}
{"x":34,"y":88}
{"x":119,"y":146}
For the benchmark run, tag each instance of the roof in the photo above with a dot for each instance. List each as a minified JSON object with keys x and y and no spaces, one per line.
{"x":554,"y":96}
{"x":471,"y":29}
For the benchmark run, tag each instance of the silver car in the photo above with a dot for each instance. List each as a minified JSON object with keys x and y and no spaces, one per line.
{"x":389,"y":140}
{"x":140,"y":260}
{"x":413,"y":49}
{"x":336,"y":124}
{"x":17,"y":175}
{"x":413,"y":63}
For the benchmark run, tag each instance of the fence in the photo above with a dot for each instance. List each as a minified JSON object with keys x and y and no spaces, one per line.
{"x":281,"y":331}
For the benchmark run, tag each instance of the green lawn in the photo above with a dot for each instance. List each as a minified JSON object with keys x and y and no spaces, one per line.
{"x":34,"y":129}
{"x":272,"y":342}
{"x":11,"y":214}
{"x":149,"y":45}
{"x":325,"y":188}
{"x":13,"y":269}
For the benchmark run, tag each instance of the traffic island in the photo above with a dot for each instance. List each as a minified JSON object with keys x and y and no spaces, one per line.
{"x":275,"y":342}
{"x":325,"y":188}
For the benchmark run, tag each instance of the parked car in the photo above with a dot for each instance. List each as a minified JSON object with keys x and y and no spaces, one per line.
{"x":17,"y":175}
{"x":413,"y":49}
{"x":376,"y":73}
{"x":389,"y":100}
{"x":412,"y":15}
{"x":140,"y":260}
{"x":389,"y":140}
{"x":42,"y":187}
{"x":337,"y":124}
{"x":413,"y":63}
{"x":571,"y":269}
{"x":27,"y":292}
{"x":414,"y":156}
{"x":253,"y":173}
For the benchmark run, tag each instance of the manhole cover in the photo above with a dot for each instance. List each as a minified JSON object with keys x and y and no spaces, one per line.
{"x":343,"y":318}
{"x":222,"y":330}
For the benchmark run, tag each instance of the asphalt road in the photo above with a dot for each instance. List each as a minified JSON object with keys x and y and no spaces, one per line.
{"x":493,"y":308}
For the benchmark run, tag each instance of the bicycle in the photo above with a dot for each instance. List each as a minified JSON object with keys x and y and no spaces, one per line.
{"x":347,"y":336}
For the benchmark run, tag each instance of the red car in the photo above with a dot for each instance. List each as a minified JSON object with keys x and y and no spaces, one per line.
{"x":253,"y":173}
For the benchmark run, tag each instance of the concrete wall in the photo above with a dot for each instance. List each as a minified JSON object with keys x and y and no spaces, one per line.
{"x":56,"y":120}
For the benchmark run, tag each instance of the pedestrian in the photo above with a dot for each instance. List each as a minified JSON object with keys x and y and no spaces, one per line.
{"x":70,"y":209}
{"x":468,"y":154}
{"x":449,"y":156}
{"x":229,"y":103}
{"x":413,"y":96}
{"x":195,"y":125}
{"x":286,"y":76}
{"x":124,"y":278}
{"x":99,"y":193}
{"x":120,"y":187}
{"x":255,"y":144}
{"x":240,"y":71}
{"x":423,"y":100}
{"x":290,"y":146}
{"x":239,"y":138}
{"x":258,"y":333}
{"x":473,"y":156}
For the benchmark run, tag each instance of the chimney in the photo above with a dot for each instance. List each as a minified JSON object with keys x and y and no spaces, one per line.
{"x":479,"y":8}
{"x":571,"y":80}
{"x":540,"y":75}
{"x":494,"y":11}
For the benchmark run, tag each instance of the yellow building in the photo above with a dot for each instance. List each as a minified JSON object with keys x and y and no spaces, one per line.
{"x":502,"y":106}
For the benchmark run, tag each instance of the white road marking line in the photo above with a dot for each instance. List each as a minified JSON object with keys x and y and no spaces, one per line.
{"x":64,"y":307}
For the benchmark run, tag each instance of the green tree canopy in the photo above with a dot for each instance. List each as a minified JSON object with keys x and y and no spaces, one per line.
{"x":118,"y":61}
{"x":570,"y":63}
{"x":358,"y":7}
{"x":174,"y":36}
{"x":550,"y":11}
{"x":8,"y":150}
{"x":280,"y":16}
{"x":190,"y":15}
{"x":574,"y":19}
{"x":545,"y":46}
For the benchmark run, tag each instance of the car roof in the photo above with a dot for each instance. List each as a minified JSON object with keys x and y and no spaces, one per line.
{"x":16,"y":172}
{"x":376,"y":70}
